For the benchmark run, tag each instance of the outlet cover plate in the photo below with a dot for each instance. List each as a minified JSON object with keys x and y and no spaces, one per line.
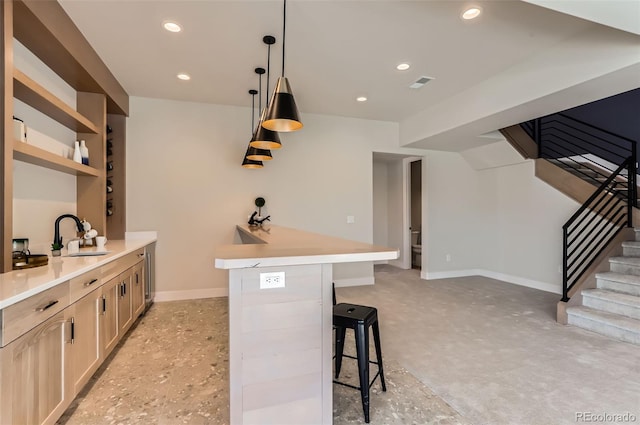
{"x":271,"y":280}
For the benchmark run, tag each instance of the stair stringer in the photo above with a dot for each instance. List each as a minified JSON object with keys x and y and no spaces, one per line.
{"x":521,"y":142}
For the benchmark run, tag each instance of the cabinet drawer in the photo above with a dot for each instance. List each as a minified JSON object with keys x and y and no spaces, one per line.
{"x":114,"y":268}
{"x":83,"y":284}
{"x":21,"y":317}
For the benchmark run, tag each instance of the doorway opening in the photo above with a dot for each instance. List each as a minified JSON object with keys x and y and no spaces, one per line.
{"x":415,"y":201}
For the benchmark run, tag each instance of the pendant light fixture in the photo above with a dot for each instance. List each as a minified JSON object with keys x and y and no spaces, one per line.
{"x":247,"y":162}
{"x":256,"y":154}
{"x":282,"y":112}
{"x":264,"y":138}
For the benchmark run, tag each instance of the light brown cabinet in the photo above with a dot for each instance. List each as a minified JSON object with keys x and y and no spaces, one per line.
{"x":35,"y":389}
{"x":85,"y":350}
{"x":110,"y":331}
{"x":137,"y":289}
{"x":125,"y":315}
{"x":53,"y":342}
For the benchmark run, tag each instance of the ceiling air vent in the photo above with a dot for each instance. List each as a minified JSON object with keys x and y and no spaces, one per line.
{"x":420,"y":82}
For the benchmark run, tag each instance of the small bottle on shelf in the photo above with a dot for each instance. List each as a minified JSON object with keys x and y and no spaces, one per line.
{"x":77,"y":154}
{"x":84,"y":152}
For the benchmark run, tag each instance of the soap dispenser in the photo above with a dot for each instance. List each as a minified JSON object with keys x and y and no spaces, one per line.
{"x":84,"y":152}
{"x":77,"y":155}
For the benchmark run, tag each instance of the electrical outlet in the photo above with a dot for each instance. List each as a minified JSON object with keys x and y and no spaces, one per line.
{"x":448,"y":258}
{"x":351,"y":219}
{"x":272,"y":280}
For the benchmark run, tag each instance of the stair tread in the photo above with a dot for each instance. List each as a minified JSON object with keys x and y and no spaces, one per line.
{"x":635,"y":261}
{"x":616,"y":297}
{"x":612,"y":319}
{"x":619,"y":277}
{"x":631,"y":244}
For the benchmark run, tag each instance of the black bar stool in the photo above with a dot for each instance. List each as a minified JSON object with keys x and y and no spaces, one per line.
{"x":359,"y":318}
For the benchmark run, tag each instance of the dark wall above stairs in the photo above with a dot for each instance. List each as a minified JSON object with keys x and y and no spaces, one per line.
{"x":619,"y":114}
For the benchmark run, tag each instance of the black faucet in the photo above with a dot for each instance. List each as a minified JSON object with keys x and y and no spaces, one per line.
{"x":263,"y":220}
{"x":57,"y":239}
{"x":252,"y":220}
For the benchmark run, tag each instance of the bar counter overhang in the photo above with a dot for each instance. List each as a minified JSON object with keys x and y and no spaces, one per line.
{"x":280,"y":346}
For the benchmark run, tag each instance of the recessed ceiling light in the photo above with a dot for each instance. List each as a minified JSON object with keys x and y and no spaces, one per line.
{"x":471,"y":13}
{"x":183,"y":76}
{"x":403,"y":67}
{"x":171,"y":26}
{"x":361,"y":99}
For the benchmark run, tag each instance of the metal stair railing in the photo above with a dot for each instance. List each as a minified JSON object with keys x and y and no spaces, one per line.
{"x":606,"y":160}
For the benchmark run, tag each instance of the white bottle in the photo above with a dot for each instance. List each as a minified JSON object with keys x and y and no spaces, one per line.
{"x":84,"y":152}
{"x":77,"y":155}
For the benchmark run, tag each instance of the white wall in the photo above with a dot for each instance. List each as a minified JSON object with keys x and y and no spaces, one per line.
{"x":529,"y":215}
{"x":499,"y":222}
{"x":455,"y":215}
{"x":41,"y":195}
{"x":380,"y":204}
{"x":395,"y":212}
{"x":184,"y":180}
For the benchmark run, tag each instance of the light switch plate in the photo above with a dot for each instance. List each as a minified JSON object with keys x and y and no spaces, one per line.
{"x":272,"y":280}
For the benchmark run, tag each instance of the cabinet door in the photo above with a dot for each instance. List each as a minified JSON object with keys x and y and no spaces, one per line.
{"x":36,"y":381}
{"x":109,"y":329}
{"x":85,"y":346}
{"x":125,"y":316}
{"x":137,"y":283}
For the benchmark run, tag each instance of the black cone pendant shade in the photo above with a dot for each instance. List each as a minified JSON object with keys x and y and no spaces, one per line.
{"x":251,"y":160}
{"x":264,"y":138}
{"x":282,"y":113}
{"x":249,"y":163}
{"x":256,"y":154}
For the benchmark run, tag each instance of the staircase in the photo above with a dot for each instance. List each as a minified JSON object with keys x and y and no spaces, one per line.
{"x":599,"y":170}
{"x":613,"y":308}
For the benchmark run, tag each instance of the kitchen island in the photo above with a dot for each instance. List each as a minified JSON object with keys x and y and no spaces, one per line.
{"x":280,"y":322}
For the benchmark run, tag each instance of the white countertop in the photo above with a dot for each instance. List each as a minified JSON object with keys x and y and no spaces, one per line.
{"x":282,"y":246}
{"x":18,"y":285}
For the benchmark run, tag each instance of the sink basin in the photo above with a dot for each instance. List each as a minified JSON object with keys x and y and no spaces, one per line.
{"x":88,"y":253}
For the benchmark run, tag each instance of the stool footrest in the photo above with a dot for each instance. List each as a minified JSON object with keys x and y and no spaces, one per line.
{"x":353,"y":386}
{"x":355,"y":358}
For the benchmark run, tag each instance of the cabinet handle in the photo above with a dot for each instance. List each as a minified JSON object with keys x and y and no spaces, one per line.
{"x":137,"y":280}
{"x":73,"y":330}
{"x":124,"y":288}
{"x":104,"y":305}
{"x":91,"y":282}
{"x":46,"y":306}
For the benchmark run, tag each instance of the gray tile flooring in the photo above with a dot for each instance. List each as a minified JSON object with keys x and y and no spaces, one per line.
{"x":457,"y":351}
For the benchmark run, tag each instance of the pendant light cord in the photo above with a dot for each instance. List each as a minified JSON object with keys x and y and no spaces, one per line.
{"x":260,"y":93}
{"x":284,"y":29}
{"x":266,"y":95}
{"x":253,"y":110}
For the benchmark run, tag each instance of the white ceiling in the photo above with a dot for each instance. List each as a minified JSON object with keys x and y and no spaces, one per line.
{"x":336,"y":50}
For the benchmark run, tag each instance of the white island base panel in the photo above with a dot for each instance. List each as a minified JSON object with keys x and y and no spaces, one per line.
{"x":280,"y":335}
{"x":280,"y":346}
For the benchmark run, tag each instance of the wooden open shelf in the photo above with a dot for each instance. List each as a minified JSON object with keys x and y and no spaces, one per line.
{"x":36,"y":96}
{"x":43,"y":158}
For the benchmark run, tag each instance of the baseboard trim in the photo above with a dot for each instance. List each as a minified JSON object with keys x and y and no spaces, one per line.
{"x":191,"y":294}
{"x":446,"y":275}
{"x":354,"y":281}
{"x":529,"y":283}
{"x":516,"y":280}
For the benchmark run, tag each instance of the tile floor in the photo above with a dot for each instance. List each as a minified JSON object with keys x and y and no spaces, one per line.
{"x":457,"y":351}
